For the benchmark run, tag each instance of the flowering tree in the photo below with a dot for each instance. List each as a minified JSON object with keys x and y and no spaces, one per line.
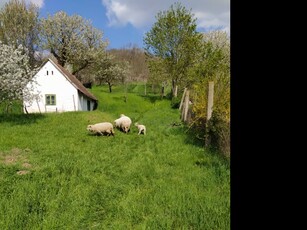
{"x":72,"y":40}
{"x":111,"y":72}
{"x":15,"y":74}
{"x":19,"y":25}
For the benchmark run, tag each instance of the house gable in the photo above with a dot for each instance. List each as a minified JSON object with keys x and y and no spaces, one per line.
{"x":74,"y":81}
{"x":59,"y":91}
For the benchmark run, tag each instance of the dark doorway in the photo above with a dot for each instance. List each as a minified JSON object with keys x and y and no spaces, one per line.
{"x":88,"y":105}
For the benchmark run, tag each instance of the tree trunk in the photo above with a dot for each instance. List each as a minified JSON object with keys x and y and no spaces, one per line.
{"x":83,"y":66}
{"x":174,"y":88}
{"x":162,"y":92}
{"x":26,"y":110}
{"x":110,"y":87}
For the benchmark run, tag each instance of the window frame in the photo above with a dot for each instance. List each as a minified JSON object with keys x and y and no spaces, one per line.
{"x":48,"y":99}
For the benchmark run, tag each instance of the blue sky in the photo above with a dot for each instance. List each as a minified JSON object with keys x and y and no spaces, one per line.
{"x":124,"y":22}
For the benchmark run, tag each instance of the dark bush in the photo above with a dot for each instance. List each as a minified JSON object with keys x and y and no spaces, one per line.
{"x":175,"y":103}
{"x":219,"y":133}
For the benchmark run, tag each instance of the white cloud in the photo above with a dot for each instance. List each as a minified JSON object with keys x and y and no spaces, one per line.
{"x":39,"y":3}
{"x":209,"y":13}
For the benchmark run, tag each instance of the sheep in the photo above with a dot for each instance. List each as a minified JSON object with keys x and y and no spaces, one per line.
{"x":141,"y":128}
{"x":101,"y":128}
{"x":123,"y":123}
{"x":117,"y":123}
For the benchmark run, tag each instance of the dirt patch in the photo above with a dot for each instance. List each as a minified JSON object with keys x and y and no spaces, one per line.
{"x":14,"y":156}
{"x":17,"y":156}
{"x":9,"y":160}
{"x":26,"y":165}
{"x":23,"y":172}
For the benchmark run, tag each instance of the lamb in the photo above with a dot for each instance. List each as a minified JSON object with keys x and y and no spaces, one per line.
{"x":123,"y":123}
{"x":101,"y":128}
{"x":141,"y":128}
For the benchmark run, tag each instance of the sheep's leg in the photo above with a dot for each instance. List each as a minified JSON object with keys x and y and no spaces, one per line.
{"x":100,"y":133}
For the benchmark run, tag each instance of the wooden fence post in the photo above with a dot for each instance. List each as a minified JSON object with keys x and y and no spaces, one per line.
{"x":183,"y":95}
{"x":209,"y":111}
{"x":210,"y":100}
{"x":186,"y":105}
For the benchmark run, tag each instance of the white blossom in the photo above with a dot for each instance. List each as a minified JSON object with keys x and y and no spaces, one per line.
{"x":15,"y":74}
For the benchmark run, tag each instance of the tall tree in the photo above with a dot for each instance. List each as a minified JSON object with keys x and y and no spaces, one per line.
{"x":72,"y":40}
{"x":19,"y":25}
{"x":15,"y":74}
{"x":174,"y":39}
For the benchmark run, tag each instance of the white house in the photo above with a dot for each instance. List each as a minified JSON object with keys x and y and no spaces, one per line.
{"x":59,"y":91}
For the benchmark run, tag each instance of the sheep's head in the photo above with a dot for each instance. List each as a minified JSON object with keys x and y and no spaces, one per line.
{"x":126,"y":129}
{"x":89,"y":128}
{"x":136,"y":124}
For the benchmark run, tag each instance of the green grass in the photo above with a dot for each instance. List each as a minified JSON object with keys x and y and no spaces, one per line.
{"x":74,"y":180}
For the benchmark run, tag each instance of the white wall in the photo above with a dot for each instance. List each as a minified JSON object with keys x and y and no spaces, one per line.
{"x":54,"y":83}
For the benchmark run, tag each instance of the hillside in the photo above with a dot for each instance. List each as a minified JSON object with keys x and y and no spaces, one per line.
{"x":55,"y":175}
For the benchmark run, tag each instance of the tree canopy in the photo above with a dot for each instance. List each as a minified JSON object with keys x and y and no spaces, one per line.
{"x":72,"y":40}
{"x":174,"y":39}
{"x":19,"y":25}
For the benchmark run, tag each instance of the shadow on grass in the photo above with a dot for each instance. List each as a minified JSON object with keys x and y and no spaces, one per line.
{"x":190,"y":138}
{"x":152,"y":98}
{"x":193,"y":139}
{"x":119,"y":98}
{"x":199,"y":140}
{"x":21,"y":119}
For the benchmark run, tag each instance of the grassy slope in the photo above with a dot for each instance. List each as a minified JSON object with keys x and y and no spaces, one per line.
{"x":78,"y":181}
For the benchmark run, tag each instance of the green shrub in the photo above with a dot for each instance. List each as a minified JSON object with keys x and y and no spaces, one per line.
{"x":219,"y":133}
{"x":11,"y":107}
{"x":175,"y":103}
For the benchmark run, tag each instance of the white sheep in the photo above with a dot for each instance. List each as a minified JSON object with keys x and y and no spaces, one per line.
{"x":117,"y":123}
{"x":141,"y":128}
{"x":101,"y":128}
{"x":123,"y":123}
